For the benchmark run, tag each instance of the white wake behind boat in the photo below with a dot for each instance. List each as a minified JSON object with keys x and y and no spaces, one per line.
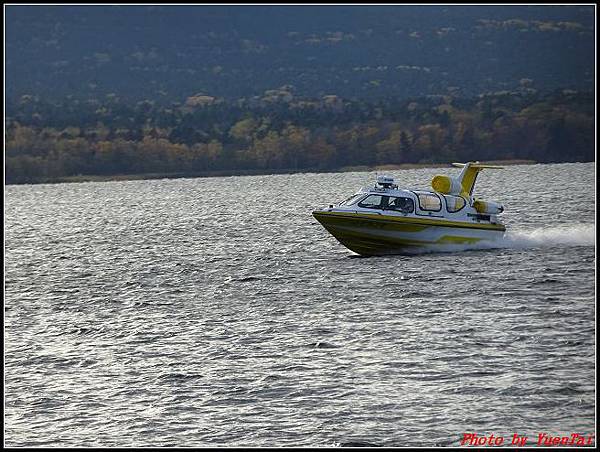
{"x":384,"y":219}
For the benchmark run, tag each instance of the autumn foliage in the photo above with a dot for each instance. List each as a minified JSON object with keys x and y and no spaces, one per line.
{"x":47,"y":141}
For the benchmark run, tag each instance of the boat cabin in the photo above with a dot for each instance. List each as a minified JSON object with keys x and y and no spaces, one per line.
{"x":386,"y":198}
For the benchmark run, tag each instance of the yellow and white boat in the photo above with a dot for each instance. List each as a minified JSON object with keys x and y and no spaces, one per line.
{"x":385,"y":219}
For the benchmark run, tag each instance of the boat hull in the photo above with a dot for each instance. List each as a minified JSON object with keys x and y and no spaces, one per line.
{"x":376,"y":234}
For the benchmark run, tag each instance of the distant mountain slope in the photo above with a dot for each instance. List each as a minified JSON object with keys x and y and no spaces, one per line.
{"x":172,"y":52}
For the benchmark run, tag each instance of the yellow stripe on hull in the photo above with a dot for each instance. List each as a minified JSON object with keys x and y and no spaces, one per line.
{"x":369,"y":234}
{"x":325,"y":215}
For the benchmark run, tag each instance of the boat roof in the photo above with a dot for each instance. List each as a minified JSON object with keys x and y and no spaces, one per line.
{"x":395,"y":191}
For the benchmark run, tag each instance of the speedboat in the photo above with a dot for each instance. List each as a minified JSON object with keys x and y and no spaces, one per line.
{"x":384,"y":219}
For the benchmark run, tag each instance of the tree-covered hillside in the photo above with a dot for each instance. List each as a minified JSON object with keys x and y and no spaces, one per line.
{"x":46,"y":141}
{"x":162,"y":53}
{"x":102,"y":90}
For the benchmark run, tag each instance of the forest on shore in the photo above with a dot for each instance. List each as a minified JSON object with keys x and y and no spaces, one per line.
{"x":47,"y":140}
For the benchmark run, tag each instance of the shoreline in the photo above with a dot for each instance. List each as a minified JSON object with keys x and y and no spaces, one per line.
{"x":228,"y":173}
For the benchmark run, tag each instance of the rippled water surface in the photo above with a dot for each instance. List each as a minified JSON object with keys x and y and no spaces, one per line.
{"x":217,"y":311}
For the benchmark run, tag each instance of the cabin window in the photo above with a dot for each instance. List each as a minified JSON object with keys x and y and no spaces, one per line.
{"x":454,"y":203}
{"x":351,"y":200}
{"x":372,"y":202}
{"x":429,"y":201}
{"x":401,"y":204}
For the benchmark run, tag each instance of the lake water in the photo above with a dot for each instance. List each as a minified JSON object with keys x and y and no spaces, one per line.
{"x":218,"y":312}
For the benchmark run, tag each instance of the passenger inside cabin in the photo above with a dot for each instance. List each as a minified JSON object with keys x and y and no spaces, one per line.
{"x":404,"y":205}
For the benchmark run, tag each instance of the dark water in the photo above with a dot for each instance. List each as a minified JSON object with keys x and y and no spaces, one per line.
{"x":198,"y":312}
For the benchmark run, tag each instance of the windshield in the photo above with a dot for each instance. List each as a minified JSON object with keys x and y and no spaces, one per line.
{"x":383,"y":202}
{"x":351,"y":200}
